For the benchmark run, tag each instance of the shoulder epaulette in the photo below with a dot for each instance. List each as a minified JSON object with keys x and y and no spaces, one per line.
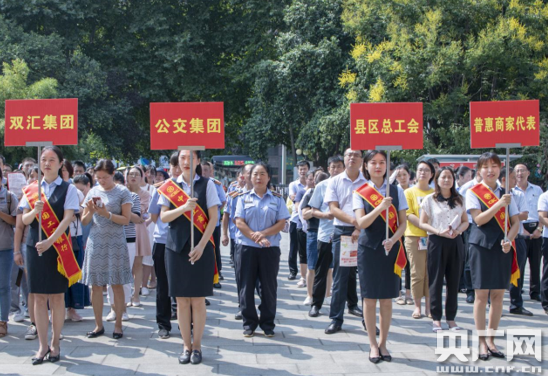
{"x":216,"y":181}
{"x":277,"y":194}
{"x":234,"y":194}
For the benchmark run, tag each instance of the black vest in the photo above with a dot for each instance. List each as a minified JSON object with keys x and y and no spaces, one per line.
{"x":57,"y":202}
{"x":489,"y":234}
{"x":178,"y":234}
{"x":374,"y":235}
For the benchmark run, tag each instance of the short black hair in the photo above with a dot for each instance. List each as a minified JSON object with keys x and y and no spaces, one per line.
{"x":174,"y":159}
{"x":79,"y":164}
{"x":303,"y":163}
{"x":434,"y":161}
{"x":431,"y":167}
{"x":83,"y":179}
{"x":335,"y":159}
{"x":119,"y":177}
{"x":503,"y":172}
{"x":486,"y":157}
{"x":105,"y":165}
{"x":462,"y":170}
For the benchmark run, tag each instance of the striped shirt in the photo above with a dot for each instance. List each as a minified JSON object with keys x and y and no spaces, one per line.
{"x":136,"y":209}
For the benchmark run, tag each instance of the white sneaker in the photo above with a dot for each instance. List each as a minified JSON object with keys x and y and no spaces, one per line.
{"x":111,"y":316}
{"x":31,"y":333}
{"x":327,"y":301}
{"x":19,"y":316}
{"x":125,"y":317}
{"x":308,"y":301}
{"x":301,"y":283}
{"x":145,"y":291}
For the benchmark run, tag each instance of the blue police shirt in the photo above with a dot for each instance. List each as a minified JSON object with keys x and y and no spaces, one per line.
{"x":71,"y":200}
{"x":260,"y":214}
{"x":222,"y":197}
{"x":325,"y":230}
{"x":160,"y":229}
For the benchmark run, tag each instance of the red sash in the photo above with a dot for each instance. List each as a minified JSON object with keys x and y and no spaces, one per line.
{"x":178,"y":197}
{"x":374,"y":198}
{"x":485,"y":195}
{"x":66,"y":262}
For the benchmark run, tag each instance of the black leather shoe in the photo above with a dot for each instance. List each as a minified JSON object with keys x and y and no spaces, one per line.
{"x":356,"y":311}
{"x":208,"y":303}
{"x":521,"y":311}
{"x":374,"y":360}
{"x":495,"y":354}
{"x":238,"y":316}
{"x":163,"y":333}
{"x":333,"y":328}
{"x":117,"y":335}
{"x":196,"y":357}
{"x":217,"y":285}
{"x":483,"y":356}
{"x":36,"y":360}
{"x":269,"y":333}
{"x":292,"y":276}
{"x":96,"y":334}
{"x":470,"y":298}
{"x":386,"y":358}
{"x":314,"y":311}
{"x":54,"y":358}
{"x":536,"y":297}
{"x":184,"y":358}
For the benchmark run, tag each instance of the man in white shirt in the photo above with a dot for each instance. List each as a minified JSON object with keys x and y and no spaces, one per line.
{"x":338,"y":196}
{"x":294,"y":221}
{"x":532,"y":228}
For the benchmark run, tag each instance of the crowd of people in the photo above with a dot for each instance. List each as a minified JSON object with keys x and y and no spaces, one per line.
{"x":137,"y":228}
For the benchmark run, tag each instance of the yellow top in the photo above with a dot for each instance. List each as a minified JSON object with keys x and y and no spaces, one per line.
{"x":414,"y":198}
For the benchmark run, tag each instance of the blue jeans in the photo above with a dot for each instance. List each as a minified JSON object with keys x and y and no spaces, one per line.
{"x":6,"y":263}
{"x":311,"y":249}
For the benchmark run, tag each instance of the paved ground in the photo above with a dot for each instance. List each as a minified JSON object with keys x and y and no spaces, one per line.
{"x":300,"y":346}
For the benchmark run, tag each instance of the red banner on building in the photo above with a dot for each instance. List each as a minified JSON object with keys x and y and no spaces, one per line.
{"x":374,"y":125}
{"x":504,"y":122}
{"x":187,"y":124}
{"x":41,"y":120}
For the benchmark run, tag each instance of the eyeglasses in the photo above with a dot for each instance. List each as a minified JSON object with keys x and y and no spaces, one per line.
{"x":134,"y":175}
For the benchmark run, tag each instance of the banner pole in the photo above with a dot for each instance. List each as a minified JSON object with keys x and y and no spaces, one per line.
{"x":506,"y":185}
{"x":192,"y":196}
{"x":39,"y":195}
{"x":387,"y":195}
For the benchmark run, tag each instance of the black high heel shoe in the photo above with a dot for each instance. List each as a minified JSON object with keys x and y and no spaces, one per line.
{"x":375,"y":359}
{"x":93,"y":334}
{"x":386,"y":358}
{"x":36,"y":360}
{"x":495,"y":354}
{"x":117,"y":335}
{"x":54,"y":358}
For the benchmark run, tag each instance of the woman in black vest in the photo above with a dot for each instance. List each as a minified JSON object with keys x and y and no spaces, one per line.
{"x":190,"y":273}
{"x":376,"y":269}
{"x":491,"y":255}
{"x":45,"y":282}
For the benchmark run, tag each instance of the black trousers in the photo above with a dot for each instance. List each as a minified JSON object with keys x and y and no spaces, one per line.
{"x":534,"y":255}
{"x":344,"y":279}
{"x":232,"y":248}
{"x":325,"y":258}
{"x":260,"y":264}
{"x":293,"y":248}
{"x":466,"y":272}
{"x":516,"y":300}
{"x":163,"y":301}
{"x":301,"y":235}
{"x":445,"y":259}
{"x":544,"y":281}
{"x":217,"y":240}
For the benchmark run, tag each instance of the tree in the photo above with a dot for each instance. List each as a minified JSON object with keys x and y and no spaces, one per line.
{"x":446,"y":54}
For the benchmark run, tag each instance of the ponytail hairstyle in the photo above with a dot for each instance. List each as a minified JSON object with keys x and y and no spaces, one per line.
{"x":369,"y":156}
{"x":59,"y":154}
{"x":198,"y":155}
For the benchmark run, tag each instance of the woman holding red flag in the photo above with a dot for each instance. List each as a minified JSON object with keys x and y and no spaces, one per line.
{"x":190,"y":273}
{"x":493,"y":264}
{"x":380,"y":260}
{"x":45,"y":278}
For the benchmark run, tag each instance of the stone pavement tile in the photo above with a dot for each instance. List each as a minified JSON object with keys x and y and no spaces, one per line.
{"x":261,"y":369}
{"x":260,"y":340}
{"x":295,"y":357}
{"x":15,"y":356}
{"x":319,"y":367}
{"x":401,"y":348}
{"x":174,"y":368}
{"x":273,"y":349}
{"x":28,"y":369}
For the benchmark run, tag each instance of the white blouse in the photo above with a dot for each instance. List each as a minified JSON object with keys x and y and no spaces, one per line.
{"x":439,"y":213}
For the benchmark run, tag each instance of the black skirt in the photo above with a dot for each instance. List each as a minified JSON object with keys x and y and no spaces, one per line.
{"x":43,"y":277}
{"x":190,"y":281}
{"x":490,"y":269}
{"x":376,"y":272}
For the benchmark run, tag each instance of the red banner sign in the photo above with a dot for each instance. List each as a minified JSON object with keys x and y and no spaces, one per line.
{"x":41,"y":120}
{"x":373,"y":125}
{"x":504,"y":122}
{"x":187,"y":124}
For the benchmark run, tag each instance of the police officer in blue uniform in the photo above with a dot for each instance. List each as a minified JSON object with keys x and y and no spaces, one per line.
{"x":260,"y":216}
